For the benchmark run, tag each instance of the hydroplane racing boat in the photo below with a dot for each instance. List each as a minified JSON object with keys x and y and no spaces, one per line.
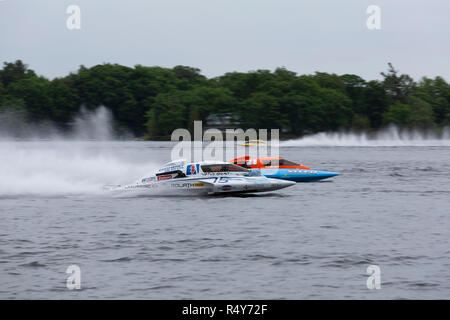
{"x":279,"y":168}
{"x":207,"y":177}
{"x":252,"y":143}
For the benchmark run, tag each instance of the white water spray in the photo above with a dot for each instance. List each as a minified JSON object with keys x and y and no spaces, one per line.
{"x":93,"y":125}
{"x":52,"y":168}
{"x":390,"y":137}
{"x":88,"y":125}
{"x":67,"y":164}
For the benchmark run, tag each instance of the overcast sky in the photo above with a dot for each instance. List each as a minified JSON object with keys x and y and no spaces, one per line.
{"x":219,"y":36}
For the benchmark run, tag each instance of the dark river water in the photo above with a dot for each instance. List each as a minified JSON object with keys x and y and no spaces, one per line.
{"x":389,"y":207}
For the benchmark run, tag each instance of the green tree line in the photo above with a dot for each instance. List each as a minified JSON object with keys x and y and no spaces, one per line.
{"x":153,"y":101}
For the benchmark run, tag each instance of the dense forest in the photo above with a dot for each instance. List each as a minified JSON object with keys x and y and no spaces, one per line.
{"x":151,"y":102}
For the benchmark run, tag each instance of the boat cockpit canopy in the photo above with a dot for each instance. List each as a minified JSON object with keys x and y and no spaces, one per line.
{"x":223,"y":168}
{"x":281,"y":162}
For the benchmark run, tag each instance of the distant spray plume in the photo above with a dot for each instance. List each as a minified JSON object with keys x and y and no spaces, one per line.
{"x":87,"y":125}
{"x":389,"y":137}
{"x":40,"y":159}
{"x":93,"y":125}
{"x":50,"y":168}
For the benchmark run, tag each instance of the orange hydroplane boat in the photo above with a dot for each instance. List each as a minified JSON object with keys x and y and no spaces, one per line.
{"x":279,"y":168}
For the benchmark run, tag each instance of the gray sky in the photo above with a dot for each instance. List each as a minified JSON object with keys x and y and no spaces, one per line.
{"x":219,"y":36}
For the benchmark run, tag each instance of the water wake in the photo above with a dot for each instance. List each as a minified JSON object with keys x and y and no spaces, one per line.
{"x":390,"y":137}
{"x":58,"y":168}
{"x":87,"y":125}
{"x":67,"y":163}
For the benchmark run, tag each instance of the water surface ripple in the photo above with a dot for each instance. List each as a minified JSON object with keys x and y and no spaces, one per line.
{"x":389,"y":207}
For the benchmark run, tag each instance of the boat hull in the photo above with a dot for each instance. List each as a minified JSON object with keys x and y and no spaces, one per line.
{"x":297,"y":175}
{"x":210,"y":185}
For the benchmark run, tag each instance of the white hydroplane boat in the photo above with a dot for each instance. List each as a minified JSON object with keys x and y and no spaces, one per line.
{"x":206,"y":177}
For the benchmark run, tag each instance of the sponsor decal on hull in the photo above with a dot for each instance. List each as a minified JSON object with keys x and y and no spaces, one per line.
{"x":165,"y":177}
{"x":171,"y":168}
{"x":192,"y":169}
{"x":227,"y":188}
{"x":186,"y":185}
{"x":216,"y":174}
{"x":148,"y":180}
{"x":199,"y":185}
